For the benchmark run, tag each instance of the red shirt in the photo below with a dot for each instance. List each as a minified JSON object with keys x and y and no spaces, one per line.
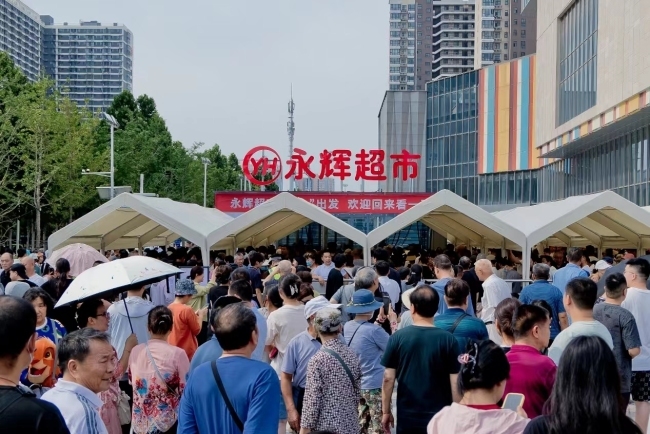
{"x":532,"y":374}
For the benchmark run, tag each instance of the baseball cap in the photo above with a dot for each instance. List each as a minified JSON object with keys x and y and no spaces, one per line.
{"x":602,"y":265}
{"x":316,"y":304}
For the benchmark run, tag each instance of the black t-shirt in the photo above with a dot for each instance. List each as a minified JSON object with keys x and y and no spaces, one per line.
{"x":540,"y":425}
{"x":21,"y":412}
{"x":215,"y":293}
{"x":475,"y":285}
{"x":423,"y":358}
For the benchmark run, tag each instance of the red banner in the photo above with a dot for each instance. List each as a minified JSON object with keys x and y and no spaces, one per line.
{"x":335,"y":203}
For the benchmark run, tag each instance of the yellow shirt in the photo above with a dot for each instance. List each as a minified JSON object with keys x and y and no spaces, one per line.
{"x":200,"y":300}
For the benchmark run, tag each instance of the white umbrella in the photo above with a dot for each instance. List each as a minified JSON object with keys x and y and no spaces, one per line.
{"x":80,"y":256}
{"x":116,"y":276}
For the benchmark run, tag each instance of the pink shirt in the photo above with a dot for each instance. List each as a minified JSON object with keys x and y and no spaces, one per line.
{"x":531,"y":374}
{"x":155,"y":404}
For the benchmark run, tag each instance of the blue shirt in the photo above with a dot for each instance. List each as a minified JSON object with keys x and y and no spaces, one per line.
{"x":439,"y":286}
{"x":297,"y":356}
{"x":323,"y":270}
{"x":468,"y":329}
{"x":211,"y":350}
{"x":252,"y":387}
{"x":369,"y":343}
{"x":566,"y":274}
{"x":542,"y":290}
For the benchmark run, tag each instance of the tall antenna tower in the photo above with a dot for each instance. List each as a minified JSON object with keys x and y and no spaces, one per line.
{"x":291,"y":130}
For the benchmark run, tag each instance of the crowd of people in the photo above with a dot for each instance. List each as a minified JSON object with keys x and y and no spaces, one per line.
{"x":318,"y":342}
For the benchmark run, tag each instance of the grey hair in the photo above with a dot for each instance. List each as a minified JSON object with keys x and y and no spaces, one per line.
{"x":365,"y":278}
{"x":76,"y":345}
{"x":541,"y":271}
{"x":328,"y":321}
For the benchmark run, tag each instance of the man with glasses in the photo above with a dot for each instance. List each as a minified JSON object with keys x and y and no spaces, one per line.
{"x":637,"y":302}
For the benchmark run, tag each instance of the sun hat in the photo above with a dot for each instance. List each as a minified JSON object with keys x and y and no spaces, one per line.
{"x":185,"y":287}
{"x":316,"y":304}
{"x":602,"y":265}
{"x":406,"y":298}
{"x":363,"y":301}
{"x":328,"y":320}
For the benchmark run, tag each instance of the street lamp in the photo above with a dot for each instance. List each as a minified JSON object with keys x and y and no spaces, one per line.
{"x":114,"y":124}
{"x":205,"y":162}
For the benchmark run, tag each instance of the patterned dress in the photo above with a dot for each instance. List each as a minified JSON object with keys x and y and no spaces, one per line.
{"x":331,"y":400}
{"x":156,"y":402}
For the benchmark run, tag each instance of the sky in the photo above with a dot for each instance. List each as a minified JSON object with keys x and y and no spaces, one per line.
{"x":221,"y":71}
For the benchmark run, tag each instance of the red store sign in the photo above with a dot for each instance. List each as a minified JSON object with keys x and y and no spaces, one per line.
{"x":264,"y":162}
{"x":335,"y":203}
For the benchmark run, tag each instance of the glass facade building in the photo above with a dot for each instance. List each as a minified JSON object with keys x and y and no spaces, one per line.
{"x":577,"y":60}
{"x":20,"y":36}
{"x":451,"y":157}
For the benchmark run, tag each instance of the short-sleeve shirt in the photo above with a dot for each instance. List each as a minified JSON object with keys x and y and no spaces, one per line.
{"x":625,"y":335}
{"x":344,"y":296}
{"x":299,"y":352}
{"x":637,"y":302}
{"x":580,"y":328}
{"x":283,"y":325}
{"x":424,"y":358}
{"x":256,"y":278}
{"x":468,"y":329}
{"x":79,"y":407}
{"x":439,"y":286}
{"x":532,"y":374}
{"x":542,"y":290}
{"x":323,"y":270}
{"x":368,"y":341}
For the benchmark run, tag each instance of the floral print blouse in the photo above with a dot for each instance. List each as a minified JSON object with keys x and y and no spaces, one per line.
{"x":331,"y":400}
{"x":156,"y":402}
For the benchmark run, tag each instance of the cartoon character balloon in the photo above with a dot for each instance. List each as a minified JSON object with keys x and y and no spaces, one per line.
{"x":43,"y":371}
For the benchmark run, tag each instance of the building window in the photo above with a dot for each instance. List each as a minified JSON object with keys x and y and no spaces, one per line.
{"x":514,"y":22}
{"x":516,"y":11}
{"x":514,"y":32}
{"x":523,"y":45}
{"x":523,"y":33}
{"x":523,"y":22}
{"x":514,"y":44}
{"x":505,"y":57}
{"x":577,"y":57}
{"x":505,"y":35}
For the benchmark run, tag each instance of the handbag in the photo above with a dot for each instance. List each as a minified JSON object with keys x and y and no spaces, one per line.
{"x":224,"y":395}
{"x":123,"y":408}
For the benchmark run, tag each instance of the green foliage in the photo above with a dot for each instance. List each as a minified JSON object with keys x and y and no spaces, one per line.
{"x":46,"y":141}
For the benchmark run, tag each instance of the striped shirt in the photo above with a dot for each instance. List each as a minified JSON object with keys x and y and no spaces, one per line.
{"x":79,"y":407}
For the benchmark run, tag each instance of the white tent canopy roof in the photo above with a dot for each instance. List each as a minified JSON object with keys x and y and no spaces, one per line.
{"x":456,"y":218}
{"x":603,"y":219}
{"x":131,"y":220}
{"x":275,"y":219}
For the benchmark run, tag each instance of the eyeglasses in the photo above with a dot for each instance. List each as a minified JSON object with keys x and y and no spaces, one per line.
{"x":106,"y":314}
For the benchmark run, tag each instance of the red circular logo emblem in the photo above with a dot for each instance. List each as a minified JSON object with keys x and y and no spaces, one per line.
{"x":262,"y":161}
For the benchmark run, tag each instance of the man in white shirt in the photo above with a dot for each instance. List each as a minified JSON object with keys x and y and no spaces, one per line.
{"x":86,"y":358}
{"x":495,"y":290}
{"x":579,"y":299}
{"x":388,"y":285}
{"x":637,"y":302}
{"x":322,"y":271}
{"x":31,"y":271}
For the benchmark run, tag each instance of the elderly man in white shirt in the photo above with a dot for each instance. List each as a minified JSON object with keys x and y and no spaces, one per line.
{"x":495,"y":290}
{"x":30,"y":268}
{"x":86,"y":358}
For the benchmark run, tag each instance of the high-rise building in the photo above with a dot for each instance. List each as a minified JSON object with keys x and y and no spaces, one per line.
{"x":94,"y":61}
{"x":429,"y":40}
{"x":90,"y":62}
{"x":20,"y":36}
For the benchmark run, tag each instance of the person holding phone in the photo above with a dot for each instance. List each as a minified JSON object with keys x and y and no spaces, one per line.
{"x":481,"y":381}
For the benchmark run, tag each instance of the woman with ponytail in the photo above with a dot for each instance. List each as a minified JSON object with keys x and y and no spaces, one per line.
{"x":157,"y":371}
{"x":55,"y":287}
{"x":482,"y":379}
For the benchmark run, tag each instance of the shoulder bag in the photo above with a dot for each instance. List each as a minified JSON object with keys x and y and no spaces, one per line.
{"x":155,"y":367}
{"x":345,"y":366}
{"x":224,"y":395}
{"x":458,"y":321}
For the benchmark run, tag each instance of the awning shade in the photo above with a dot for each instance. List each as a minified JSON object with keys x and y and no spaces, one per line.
{"x":275,"y":219}
{"x":603,"y":219}
{"x":457,"y":219}
{"x":130,"y":220}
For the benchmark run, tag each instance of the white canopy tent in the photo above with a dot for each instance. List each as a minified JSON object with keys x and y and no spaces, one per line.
{"x":275,"y":219}
{"x":603,"y":220}
{"x":130,"y":221}
{"x":459,"y":220}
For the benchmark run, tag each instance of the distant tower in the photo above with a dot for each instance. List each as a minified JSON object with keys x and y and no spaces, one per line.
{"x":291,"y":129}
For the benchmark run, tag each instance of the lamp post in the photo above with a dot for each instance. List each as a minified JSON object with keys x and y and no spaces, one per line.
{"x":114,"y":124}
{"x":205,"y":162}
